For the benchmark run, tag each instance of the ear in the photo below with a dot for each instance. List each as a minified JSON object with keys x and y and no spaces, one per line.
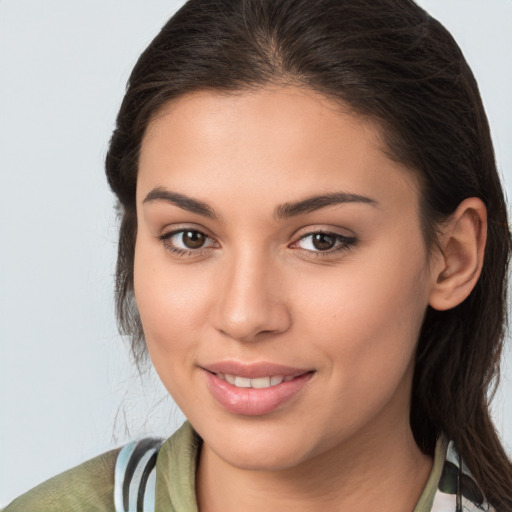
{"x":459,"y":263}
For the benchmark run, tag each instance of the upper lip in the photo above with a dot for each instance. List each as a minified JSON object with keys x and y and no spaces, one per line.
{"x":253,"y":370}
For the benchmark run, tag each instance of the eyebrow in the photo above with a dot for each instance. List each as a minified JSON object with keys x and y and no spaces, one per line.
{"x":283,"y":211}
{"x":182,"y":201}
{"x":313,"y":203}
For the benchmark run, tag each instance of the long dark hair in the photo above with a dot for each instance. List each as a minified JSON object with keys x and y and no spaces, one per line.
{"x":389,"y":61}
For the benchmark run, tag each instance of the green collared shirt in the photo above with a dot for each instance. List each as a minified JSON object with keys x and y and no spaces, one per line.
{"x":90,"y":486}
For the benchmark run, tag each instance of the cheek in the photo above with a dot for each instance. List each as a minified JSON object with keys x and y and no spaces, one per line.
{"x":367,"y":315}
{"x":171,"y":306}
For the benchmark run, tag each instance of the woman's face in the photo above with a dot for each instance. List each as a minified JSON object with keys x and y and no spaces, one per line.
{"x":278,"y":247}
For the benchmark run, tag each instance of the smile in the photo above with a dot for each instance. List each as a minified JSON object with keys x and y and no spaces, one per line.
{"x":255,"y":389}
{"x":258,"y":383}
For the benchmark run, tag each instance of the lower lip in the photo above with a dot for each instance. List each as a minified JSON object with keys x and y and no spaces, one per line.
{"x":252,"y":401}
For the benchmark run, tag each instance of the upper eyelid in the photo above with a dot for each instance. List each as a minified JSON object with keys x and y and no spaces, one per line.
{"x":331,"y":230}
{"x":169,"y":234}
{"x":172,"y":230}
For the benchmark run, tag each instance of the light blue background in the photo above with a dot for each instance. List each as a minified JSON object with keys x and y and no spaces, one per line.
{"x":67,"y":388}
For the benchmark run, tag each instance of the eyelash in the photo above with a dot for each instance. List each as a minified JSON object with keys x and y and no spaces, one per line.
{"x":344,"y":243}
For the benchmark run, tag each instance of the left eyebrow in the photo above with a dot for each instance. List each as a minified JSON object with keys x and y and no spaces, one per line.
{"x":313,"y":203}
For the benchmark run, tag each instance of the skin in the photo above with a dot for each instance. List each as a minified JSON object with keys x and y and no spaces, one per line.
{"x":259,"y":290}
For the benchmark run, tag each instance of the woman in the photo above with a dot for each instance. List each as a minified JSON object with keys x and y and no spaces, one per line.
{"x":311,"y":221}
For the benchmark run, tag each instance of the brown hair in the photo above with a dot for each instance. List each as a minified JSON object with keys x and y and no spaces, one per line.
{"x":390,"y":61}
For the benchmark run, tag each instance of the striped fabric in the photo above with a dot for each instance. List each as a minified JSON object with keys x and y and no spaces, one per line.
{"x":135,"y":476}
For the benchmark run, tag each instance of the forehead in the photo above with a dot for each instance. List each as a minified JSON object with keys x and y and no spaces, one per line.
{"x":289,"y":139}
{"x":280,"y":114}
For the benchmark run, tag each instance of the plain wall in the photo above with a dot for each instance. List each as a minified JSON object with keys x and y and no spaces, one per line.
{"x":68,"y":390}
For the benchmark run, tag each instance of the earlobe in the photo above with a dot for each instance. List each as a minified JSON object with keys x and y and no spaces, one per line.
{"x":460,"y":260}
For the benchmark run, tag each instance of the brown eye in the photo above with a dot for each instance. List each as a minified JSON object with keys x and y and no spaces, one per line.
{"x":187,"y":241}
{"x":323,"y":241}
{"x":193,"y":239}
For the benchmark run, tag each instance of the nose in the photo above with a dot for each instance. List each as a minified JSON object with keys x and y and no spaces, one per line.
{"x":251,"y":304}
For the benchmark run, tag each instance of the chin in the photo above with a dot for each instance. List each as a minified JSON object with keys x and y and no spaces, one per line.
{"x":263,"y":448}
{"x":262,"y":458}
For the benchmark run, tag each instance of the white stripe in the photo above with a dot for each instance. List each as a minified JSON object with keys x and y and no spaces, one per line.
{"x":121,"y":463}
{"x":150,"y":491}
{"x":135,"y":482}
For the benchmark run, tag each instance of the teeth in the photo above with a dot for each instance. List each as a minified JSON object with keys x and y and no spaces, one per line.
{"x":258,"y":383}
{"x":242,"y":382}
{"x":230,"y":378}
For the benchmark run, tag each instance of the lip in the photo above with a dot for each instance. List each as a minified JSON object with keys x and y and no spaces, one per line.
{"x":254,"y":370}
{"x":252,"y":401}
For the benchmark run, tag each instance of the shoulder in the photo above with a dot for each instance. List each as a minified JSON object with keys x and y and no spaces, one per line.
{"x":88,"y":486}
{"x":457,"y":488}
{"x":108,"y":482}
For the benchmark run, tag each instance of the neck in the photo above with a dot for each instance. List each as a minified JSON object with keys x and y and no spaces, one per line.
{"x":364,"y":474}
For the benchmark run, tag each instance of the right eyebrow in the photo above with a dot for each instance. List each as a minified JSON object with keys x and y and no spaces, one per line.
{"x":181,"y":201}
